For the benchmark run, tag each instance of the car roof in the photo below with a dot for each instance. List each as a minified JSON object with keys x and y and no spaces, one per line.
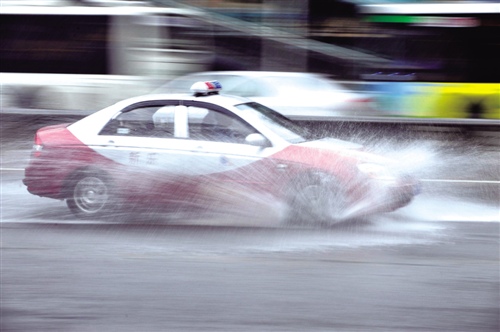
{"x":218,"y":99}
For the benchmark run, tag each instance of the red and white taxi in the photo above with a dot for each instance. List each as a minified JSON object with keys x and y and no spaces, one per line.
{"x":159,"y":151}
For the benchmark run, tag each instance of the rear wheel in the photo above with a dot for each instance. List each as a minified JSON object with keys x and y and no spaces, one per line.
{"x":316,"y":199}
{"x":89,"y":196}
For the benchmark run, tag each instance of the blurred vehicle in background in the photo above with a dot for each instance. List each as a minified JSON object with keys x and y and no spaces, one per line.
{"x":84,"y":58}
{"x":298,"y":96}
{"x":200,"y":149}
{"x":445,"y":58}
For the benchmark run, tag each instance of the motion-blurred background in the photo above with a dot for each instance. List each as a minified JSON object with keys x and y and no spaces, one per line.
{"x":404,"y":59}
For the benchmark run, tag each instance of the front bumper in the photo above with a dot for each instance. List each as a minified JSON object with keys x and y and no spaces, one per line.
{"x":387,"y":195}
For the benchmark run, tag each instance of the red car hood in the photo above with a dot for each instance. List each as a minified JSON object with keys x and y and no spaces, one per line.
{"x":332,"y":144}
{"x":346,"y":149}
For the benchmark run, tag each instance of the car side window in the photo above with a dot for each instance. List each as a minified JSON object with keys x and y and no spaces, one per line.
{"x":211,"y":125}
{"x":146,"y":121}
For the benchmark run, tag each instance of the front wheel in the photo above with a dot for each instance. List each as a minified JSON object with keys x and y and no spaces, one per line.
{"x":316,"y":199}
{"x":89,"y":196}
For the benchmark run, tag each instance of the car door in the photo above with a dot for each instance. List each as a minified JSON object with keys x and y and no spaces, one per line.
{"x":225,"y":163}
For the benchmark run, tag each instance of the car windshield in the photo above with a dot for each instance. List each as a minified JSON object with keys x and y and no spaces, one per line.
{"x":279,"y":124}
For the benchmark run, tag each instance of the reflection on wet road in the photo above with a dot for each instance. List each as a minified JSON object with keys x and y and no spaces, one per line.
{"x":383,"y":275}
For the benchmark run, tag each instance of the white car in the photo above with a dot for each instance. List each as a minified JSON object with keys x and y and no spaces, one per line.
{"x":161,"y":151}
{"x":298,"y":96}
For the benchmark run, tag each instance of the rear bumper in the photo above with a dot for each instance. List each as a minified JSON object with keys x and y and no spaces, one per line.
{"x":43,"y":181}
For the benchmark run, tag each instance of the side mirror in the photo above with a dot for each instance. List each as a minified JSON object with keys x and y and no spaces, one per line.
{"x":256,"y":140}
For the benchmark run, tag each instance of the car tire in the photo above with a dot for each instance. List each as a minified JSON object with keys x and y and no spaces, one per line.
{"x":316,"y":199}
{"x":90,"y":195}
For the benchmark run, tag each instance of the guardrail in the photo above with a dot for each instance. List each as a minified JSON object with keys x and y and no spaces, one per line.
{"x":45,"y":112}
{"x":494,"y":124}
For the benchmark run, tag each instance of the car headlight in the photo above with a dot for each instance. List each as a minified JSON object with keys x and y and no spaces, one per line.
{"x":376,"y":171}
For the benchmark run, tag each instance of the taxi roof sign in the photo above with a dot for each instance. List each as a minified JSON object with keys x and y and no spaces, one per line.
{"x":206,"y":88}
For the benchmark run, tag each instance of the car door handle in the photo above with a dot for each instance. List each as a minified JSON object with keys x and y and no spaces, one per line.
{"x":282,"y":167}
